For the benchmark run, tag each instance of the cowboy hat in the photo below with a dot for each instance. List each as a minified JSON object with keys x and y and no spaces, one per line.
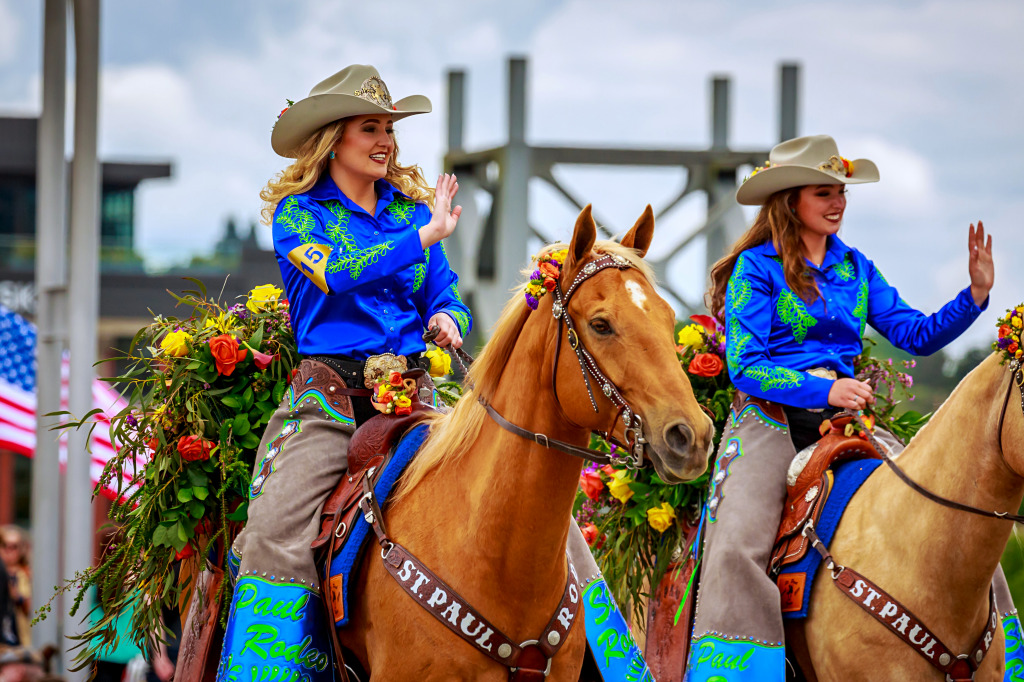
{"x":811,"y":160}
{"x":353,"y":91}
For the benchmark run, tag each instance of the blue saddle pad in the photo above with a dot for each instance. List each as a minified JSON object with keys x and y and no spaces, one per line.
{"x":346,"y":562}
{"x":800,"y":576}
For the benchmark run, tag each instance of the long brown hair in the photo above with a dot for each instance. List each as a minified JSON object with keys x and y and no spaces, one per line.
{"x":776,"y":222}
{"x":311,"y":163}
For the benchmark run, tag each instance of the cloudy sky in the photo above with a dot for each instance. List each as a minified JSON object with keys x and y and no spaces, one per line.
{"x":933,"y":91}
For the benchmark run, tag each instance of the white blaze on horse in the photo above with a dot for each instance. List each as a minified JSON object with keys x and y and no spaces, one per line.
{"x":488,"y":511}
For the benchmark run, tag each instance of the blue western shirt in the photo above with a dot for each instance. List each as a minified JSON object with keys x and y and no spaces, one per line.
{"x":361,"y":284}
{"x":773,"y":336}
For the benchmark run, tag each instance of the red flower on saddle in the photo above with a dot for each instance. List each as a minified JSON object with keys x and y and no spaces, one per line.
{"x":262,"y":359}
{"x":226,"y":353}
{"x":589,"y":533}
{"x":591,"y":484}
{"x":706,"y":365}
{"x":395,"y":379}
{"x":194,"y":448}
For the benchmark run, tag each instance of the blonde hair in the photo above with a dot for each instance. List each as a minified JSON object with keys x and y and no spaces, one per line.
{"x":311,"y":163}
{"x":776,"y":222}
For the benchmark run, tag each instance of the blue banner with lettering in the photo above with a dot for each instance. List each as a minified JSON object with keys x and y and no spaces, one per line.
{"x":276,"y":633}
{"x":714,"y":659}
{"x":615,"y":652}
{"x":1014,"y":649}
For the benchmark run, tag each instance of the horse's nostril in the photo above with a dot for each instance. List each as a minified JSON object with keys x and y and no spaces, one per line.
{"x":679,"y":437}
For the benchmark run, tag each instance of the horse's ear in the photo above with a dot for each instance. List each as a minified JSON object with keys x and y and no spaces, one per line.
{"x":639,"y":237}
{"x":583,"y":236}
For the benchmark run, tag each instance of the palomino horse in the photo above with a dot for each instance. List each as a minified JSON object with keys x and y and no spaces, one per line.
{"x":489,"y":511}
{"x":936,"y":560}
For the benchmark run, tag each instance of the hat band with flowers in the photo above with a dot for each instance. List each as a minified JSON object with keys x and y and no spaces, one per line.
{"x":812,"y":160}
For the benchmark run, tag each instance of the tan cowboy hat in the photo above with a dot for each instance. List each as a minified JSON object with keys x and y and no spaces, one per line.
{"x":811,"y":160}
{"x":353,"y":91}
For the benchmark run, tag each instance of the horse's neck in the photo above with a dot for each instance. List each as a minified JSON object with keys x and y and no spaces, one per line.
{"x":958,"y":455}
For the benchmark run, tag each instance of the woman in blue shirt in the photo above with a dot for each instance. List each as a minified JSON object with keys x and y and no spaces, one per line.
{"x":795,"y":301}
{"x":365,"y":271}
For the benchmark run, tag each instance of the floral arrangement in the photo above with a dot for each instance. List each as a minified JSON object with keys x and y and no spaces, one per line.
{"x":637,"y":526}
{"x":290,"y":105}
{"x":392,"y":396}
{"x":635,"y":523}
{"x":545,"y":276}
{"x":838,"y":164}
{"x":200,"y":390}
{"x":1009,"y":340}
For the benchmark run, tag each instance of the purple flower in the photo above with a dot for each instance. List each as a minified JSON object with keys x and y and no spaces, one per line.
{"x":1005,"y":342}
{"x":531,"y":301}
{"x":131,"y":420}
{"x":536,"y":275}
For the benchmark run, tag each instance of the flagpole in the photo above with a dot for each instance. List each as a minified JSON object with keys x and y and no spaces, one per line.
{"x":51,"y":324}
{"x":83,"y":300}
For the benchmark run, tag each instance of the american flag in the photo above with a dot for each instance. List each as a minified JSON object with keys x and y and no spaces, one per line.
{"x":18,"y":398}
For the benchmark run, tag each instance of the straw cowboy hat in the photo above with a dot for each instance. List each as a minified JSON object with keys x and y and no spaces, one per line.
{"x":353,"y":91}
{"x":812,"y":160}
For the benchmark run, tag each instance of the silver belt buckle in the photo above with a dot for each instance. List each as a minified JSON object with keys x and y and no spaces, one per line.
{"x":378,"y":367}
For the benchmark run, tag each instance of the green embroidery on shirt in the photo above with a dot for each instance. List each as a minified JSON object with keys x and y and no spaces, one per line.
{"x":792,"y":311}
{"x":774,"y":377}
{"x":401,"y":209}
{"x":846,"y":270}
{"x":738,"y":341}
{"x":356,"y":261}
{"x":860,"y":311}
{"x":421,"y":272}
{"x":739,"y":288}
{"x":297,"y":220}
{"x":462,"y":319}
{"x":337,"y":228}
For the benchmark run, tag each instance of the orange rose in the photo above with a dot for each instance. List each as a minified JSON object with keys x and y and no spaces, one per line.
{"x":395,"y":379}
{"x":591,"y":484}
{"x":226,"y":353}
{"x":589,"y":533}
{"x":548,"y":269}
{"x":1013,"y":347}
{"x":1004,"y":330}
{"x":706,"y":365}
{"x":194,"y":448}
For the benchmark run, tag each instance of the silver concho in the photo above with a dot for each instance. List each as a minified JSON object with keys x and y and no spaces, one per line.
{"x":504,"y":650}
{"x":554,"y":638}
{"x":590,"y":268}
{"x":607,"y":390}
{"x":556,"y":310}
{"x":944,"y":659}
{"x":374,"y":90}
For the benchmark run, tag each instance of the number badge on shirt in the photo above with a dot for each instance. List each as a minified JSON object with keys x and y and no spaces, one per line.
{"x":311,"y":260}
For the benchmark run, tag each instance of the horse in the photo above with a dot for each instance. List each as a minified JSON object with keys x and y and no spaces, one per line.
{"x":488,"y":511}
{"x":938,"y":561}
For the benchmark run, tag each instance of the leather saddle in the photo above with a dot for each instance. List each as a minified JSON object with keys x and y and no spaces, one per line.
{"x":369,"y":449}
{"x":809,"y":484}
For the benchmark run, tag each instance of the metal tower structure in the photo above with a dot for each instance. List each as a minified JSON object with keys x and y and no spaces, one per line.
{"x":489,"y":250}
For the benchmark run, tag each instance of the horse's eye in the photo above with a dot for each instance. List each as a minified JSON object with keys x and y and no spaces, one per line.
{"x":601,"y":326}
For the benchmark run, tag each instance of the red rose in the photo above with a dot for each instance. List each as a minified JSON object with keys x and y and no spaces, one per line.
{"x":186,"y":551}
{"x":194,"y":448}
{"x":403,"y":410}
{"x":591,"y":484}
{"x":706,"y":365}
{"x":589,"y":533}
{"x":549,"y":284}
{"x":226,"y":353}
{"x":1013,"y":347}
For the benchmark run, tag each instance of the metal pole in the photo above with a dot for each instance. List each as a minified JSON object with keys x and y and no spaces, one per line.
{"x":51,"y":325}
{"x":456,"y":108}
{"x":718,"y":187}
{"x":83,"y":296}
{"x":788,"y":94}
{"x":720,"y":113}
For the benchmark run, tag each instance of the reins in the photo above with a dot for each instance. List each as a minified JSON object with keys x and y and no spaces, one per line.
{"x":883,"y":450}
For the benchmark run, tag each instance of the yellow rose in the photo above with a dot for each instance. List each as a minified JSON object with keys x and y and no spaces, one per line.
{"x":619,"y":486}
{"x":690,"y":336}
{"x":402,"y":401}
{"x":440,"y":362}
{"x":661,"y":517}
{"x":263,"y":297}
{"x":175,"y":343}
{"x":1015,"y":322}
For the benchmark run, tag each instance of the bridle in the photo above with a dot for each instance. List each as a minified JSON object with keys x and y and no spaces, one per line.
{"x":632,"y":422}
{"x":1016,"y":377}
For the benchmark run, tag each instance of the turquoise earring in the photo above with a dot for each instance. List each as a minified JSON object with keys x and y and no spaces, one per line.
{"x":331,"y":155}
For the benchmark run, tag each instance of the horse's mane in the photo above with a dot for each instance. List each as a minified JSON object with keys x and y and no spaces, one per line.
{"x":452,"y":434}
